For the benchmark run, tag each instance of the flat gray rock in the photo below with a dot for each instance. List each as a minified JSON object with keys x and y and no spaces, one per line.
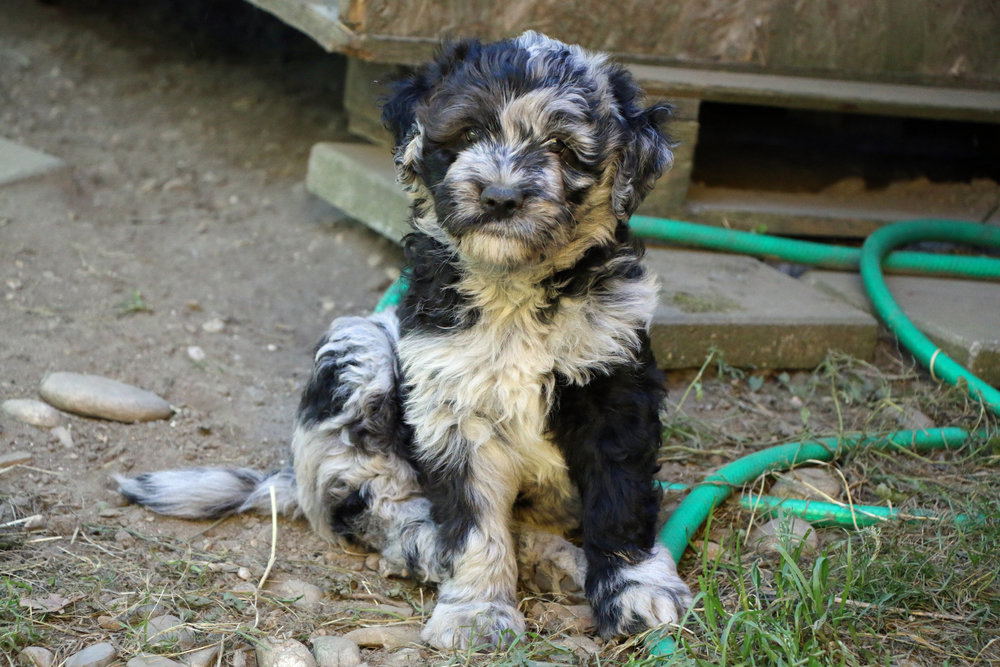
{"x":98,"y":655}
{"x":752,"y":314}
{"x":96,"y":396}
{"x":962,"y":317}
{"x":30,"y":411}
{"x":18,"y":162}
{"x":35,"y":656}
{"x":170,"y":631}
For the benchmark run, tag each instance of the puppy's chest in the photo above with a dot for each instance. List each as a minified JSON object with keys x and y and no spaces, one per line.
{"x":503,"y":368}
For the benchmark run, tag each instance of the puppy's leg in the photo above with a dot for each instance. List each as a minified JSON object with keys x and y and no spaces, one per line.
{"x":610,"y":433}
{"x":351,"y":477}
{"x":472,"y":501}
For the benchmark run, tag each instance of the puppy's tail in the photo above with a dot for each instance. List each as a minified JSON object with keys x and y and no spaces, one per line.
{"x":209,"y":493}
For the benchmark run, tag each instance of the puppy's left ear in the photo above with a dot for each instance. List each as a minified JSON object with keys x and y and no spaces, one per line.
{"x":645,"y":155}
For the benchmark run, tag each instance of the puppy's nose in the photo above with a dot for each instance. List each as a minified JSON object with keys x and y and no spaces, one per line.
{"x":501,"y":200}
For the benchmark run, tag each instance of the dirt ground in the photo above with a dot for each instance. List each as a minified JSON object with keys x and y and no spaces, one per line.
{"x":180,"y":252}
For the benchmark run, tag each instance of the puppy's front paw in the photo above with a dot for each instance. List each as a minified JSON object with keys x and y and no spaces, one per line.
{"x":477,"y":624}
{"x":633,"y":598}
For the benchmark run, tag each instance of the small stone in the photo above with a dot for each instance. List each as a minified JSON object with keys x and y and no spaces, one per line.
{"x":301,"y":594}
{"x":168,"y":630}
{"x":214,"y":325}
{"x":711,"y":550}
{"x":581,"y":646}
{"x":195,"y":353}
{"x":64,"y":437}
{"x":109,"y":622}
{"x":152,"y":661}
{"x":812,"y":483}
{"x":98,"y":655}
{"x":239,"y":659}
{"x":96,"y":396}
{"x":206,"y":657}
{"x":336,"y":652}
{"x":34,"y":522}
{"x":32,"y":412}
{"x":789,"y":531}
{"x":244,"y":574}
{"x":124,"y":538}
{"x":372,"y":561}
{"x":283,"y":653}
{"x":36,"y":656}
{"x":388,"y":636}
{"x":915,"y":420}
{"x":14,"y":459}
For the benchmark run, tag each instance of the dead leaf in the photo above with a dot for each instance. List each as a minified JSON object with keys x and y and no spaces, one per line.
{"x":52,"y":603}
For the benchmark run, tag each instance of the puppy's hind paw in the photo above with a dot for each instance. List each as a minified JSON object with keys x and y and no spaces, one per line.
{"x":637,"y":597}
{"x":479,"y":625}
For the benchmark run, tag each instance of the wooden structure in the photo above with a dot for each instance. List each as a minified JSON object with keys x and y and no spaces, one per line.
{"x":934,"y":59}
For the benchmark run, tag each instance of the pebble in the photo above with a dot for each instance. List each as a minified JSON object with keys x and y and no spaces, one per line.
{"x":36,"y":656}
{"x":64,"y":437}
{"x":283,"y":653}
{"x":169,"y":630}
{"x":301,"y":593}
{"x":14,"y":459}
{"x":145,"y":611}
{"x":387,"y":636}
{"x":787,"y":531}
{"x":96,"y":396}
{"x":109,"y":622}
{"x":152,"y":661}
{"x":214,"y":325}
{"x":98,"y":655}
{"x":206,"y":657}
{"x":336,"y":652}
{"x":32,"y":412}
{"x":811,"y":483}
{"x":196,"y":354}
{"x":244,"y":573}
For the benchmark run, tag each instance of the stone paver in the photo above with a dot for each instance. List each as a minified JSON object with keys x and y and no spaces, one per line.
{"x":751,"y":313}
{"x":360,"y":180}
{"x":960,"y":316}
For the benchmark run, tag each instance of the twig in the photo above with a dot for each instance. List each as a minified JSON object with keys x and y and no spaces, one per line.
{"x":274,"y":538}
{"x":903,"y":612}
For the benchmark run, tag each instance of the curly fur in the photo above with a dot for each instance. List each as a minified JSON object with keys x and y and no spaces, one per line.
{"x":514,"y":390}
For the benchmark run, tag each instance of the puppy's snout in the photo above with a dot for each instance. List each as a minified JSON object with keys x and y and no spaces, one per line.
{"x":501,"y":200}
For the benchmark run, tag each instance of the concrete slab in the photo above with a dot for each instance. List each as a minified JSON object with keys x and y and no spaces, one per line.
{"x":18,"y":163}
{"x":360,"y":180}
{"x":752,"y":314}
{"x":962,"y":317}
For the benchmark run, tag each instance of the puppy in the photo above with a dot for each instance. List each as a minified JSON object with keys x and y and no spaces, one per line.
{"x":513,"y":391}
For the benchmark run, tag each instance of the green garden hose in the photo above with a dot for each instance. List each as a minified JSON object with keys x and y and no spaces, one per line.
{"x":716,"y":487}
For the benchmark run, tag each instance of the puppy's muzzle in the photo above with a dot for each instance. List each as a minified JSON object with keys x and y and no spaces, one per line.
{"x":501,"y":201}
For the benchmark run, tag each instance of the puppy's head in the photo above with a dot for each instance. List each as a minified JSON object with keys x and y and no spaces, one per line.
{"x":524,"y":151}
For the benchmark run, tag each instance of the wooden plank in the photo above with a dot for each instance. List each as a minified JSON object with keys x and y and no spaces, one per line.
{"x":822,"y":94}
{"x":319,"y":19}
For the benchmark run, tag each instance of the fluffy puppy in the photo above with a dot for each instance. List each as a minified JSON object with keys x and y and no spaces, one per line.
{"x":513,"y":391}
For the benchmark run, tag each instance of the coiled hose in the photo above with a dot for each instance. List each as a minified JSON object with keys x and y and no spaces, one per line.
{"x":716,"y":487}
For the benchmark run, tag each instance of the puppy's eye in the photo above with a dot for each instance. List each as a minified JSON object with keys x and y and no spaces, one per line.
{"x":472,"y":135}
{"x":555,"y":145}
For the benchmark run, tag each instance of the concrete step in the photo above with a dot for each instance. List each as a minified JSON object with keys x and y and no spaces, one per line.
{"x":750,"y":313}
{"x":360,"y":180}
{"x":19,"y":163}
{"x":962,"y":317}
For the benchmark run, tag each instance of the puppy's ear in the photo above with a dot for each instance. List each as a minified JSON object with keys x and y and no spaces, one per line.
{"x":646,"y":152}
{"x":399,"y":109}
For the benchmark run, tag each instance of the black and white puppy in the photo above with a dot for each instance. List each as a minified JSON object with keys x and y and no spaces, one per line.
{"x":513,"y":390}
